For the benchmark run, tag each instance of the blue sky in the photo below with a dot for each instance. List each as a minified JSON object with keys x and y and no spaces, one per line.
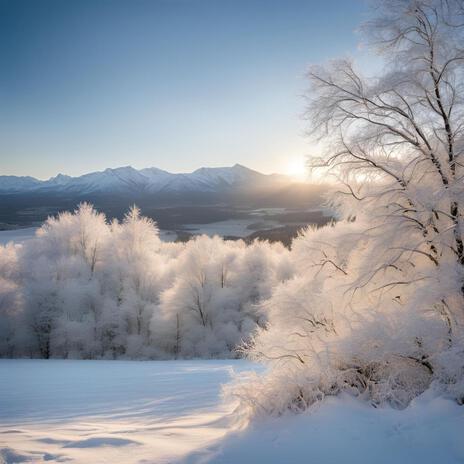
{"x":176,"y":84}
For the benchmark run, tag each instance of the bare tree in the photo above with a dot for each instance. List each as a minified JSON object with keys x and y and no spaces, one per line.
{"x":396,"y":141}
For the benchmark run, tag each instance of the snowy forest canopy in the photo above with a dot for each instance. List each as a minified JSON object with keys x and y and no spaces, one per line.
{"x":373,"y":305}
{"x":83,"y":288}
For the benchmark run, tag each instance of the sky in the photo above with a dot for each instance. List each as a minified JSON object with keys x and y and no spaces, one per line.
{"x":176,"y":84}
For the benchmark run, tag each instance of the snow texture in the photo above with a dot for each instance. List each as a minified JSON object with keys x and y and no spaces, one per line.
{"x":171,"y":411}
{"x":111,"y":411}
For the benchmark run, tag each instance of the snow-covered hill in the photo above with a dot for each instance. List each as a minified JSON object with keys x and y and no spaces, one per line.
{"x":149,"y":180}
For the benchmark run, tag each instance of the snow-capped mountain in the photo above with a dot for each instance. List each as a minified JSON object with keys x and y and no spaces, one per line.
{"x":148,"y":180}
{"x":18,"y":183}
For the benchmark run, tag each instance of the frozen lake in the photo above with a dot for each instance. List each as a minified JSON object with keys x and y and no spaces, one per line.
{"x":231,"y":227}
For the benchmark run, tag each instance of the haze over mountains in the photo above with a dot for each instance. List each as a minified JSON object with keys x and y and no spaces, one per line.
{"x":146,"y":181}
{"x":177,"y":202}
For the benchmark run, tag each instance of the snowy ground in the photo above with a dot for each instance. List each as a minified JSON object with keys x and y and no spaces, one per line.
{"x":166,"y":412}
{"x":111,"y":411}
{"x":348,"y":431}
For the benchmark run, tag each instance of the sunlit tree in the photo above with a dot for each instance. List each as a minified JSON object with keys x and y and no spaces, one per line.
{"x":377,"y":306}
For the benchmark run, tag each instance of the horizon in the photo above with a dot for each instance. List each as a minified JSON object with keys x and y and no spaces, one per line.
{"x":98,"y":83}
{"x":109,"y":168}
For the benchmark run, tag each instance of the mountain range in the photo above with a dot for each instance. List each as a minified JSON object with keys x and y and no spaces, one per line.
{"x":147,"y":181}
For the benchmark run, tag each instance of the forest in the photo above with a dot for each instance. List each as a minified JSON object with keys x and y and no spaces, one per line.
{"x":84,"y":288}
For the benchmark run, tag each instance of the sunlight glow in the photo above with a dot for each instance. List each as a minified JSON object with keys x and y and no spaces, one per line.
{"x":297,"y":168}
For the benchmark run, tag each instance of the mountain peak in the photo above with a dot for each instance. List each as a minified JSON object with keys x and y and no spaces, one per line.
{"x":148,"y":180}
{"x":60,"y":176}
{"x":121,"y":169}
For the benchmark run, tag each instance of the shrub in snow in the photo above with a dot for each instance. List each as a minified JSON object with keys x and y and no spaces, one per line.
{"x":377,"y":304}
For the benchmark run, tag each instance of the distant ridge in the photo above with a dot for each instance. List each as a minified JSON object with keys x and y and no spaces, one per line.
{"x":148,"y":180}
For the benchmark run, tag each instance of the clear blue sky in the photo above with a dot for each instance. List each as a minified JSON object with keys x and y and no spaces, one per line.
{"x":177,"y":84}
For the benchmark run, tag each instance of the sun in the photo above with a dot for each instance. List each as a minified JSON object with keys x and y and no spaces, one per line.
{"x":296,"y":168}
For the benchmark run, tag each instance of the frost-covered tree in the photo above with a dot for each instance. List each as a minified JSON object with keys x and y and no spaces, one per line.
{"x":133,"y":276}
{"x":9,"y":300}
{"x":214,"y":302}
{"x":377,"y":306}
{"x":58,"y":283}
{"x":86,"y":288}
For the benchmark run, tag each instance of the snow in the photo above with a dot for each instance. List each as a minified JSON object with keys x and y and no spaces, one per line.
{"x":226,"y":176}
{"x":144,"y":180}
{"x":112,"y":411}
{"x":350,"y":431}
{"x":18,"y":183}
{"x":171,"y":411}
